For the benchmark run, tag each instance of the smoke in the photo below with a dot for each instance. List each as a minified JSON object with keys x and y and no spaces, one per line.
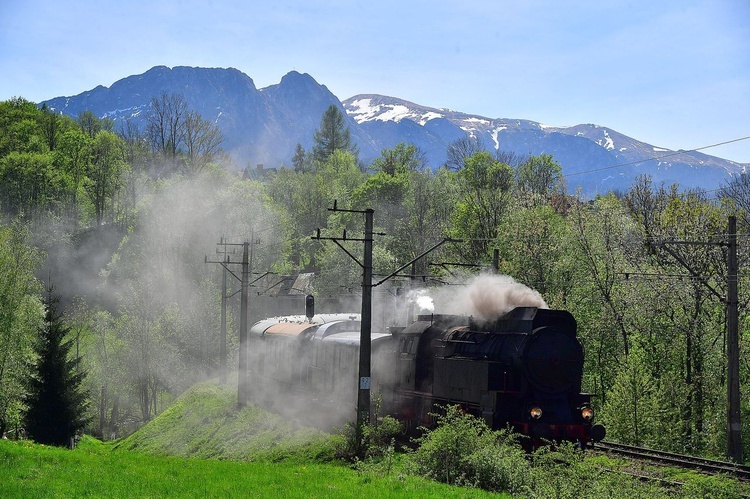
{"x":422,"y":300}
{"x":486,"y":297}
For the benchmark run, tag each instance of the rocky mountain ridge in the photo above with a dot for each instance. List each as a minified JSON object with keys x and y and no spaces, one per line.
{"x":263,"y":126}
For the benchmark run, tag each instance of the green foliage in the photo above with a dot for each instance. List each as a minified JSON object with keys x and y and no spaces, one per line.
{"x":537,"y":177}
{"x":378,"y":442}
{"x":484,"y":186}
{"x":533,"y":245}
{"x":56,"y":403}
{"x":566,"y":472}
{"x":21,"y":316}
{"x":31,"y":184}
{"x":332,"y":135}
{"x":462,"y":450}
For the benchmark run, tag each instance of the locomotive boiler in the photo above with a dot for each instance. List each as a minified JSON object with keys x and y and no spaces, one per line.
{"x":522,"y":370}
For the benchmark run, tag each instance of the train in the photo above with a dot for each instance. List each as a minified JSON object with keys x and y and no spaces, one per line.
{"x":522,"y":370}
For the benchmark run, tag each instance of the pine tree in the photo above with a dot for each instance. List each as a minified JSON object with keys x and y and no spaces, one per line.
{"x":332,"y":135}
{"x":56,"y":402}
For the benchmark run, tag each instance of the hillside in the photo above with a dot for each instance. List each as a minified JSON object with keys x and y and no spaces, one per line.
{"x":204,"y":422}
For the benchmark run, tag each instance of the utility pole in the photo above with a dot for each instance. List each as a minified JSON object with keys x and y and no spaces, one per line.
{"x":242,"y":380}
{"x":365,"y":339}
{"x":242,"y":365}
{"x":365,"y":343}
{"x":734,"y":430}
{"x":223,"y":339}
{"x":224,"y":297}
{"x":731,"y":300}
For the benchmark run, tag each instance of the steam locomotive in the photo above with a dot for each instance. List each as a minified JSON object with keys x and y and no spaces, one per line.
{"x":521,"y":370}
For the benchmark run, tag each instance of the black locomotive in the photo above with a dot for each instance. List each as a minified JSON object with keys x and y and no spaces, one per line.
{"x":522,"y":370}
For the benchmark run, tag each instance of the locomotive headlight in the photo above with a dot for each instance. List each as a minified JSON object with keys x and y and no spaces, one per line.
{"x":587,"y":413}
{"x":535,"y":412}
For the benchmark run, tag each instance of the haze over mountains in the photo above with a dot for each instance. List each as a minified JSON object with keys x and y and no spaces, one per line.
{"x":263,"y":126}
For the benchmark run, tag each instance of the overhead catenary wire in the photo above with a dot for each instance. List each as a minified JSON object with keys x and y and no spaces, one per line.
{"x":655,"y":158}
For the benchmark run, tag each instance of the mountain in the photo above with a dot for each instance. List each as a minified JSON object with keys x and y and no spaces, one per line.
{"x":264,"y":126}
{"x":594,"y":157}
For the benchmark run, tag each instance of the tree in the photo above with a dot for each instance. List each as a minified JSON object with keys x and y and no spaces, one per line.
{"x":460,"y":150}
{"x":738,"y":191}
{"x":332,"y":135}
{"x":166,"y":124}
{"x":73,"y":154}
{"x":484,"y":184}
{"x":29,"y":183}
{"x":301,"y":160}
{"x":533,"y":247}
{"x":50,"y":127}
{"x":20,"y":127}
{"x":20,"y":314}
{"x":538,"y":176}
{"x":57,"y":404}
{"x":104,"y":172}
{"x":202,"y":139}
{"x":91,"y":125}
{"x":390,"y":192}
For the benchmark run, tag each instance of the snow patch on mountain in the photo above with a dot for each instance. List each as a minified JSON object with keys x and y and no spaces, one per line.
{"x":495,"y":133}
{"x":363,"y":110}
{"x":606,"y":142}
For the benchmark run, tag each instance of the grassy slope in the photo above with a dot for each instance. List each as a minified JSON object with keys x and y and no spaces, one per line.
{"x":205,"y":423}
{"x":204,"y":447}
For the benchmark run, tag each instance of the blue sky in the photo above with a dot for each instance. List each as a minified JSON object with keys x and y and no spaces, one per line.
{"x":673,"y":73}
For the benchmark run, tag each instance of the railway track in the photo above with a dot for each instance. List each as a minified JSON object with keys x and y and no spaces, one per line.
{"x":738,"y":471}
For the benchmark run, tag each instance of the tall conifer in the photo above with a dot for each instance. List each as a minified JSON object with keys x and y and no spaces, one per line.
{"x":332,"y":135}
{"x":56,"y":401}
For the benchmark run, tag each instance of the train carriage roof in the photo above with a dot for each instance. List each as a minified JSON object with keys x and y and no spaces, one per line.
{"x":352,"y":338}
{"x":263,"y":326}
{"x":291,"y":328}
{"x":337,"y":327}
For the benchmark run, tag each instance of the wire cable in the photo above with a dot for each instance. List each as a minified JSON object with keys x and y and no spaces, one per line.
{"x":676,"y":153}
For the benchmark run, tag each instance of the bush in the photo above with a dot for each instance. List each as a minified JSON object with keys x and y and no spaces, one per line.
{"x":463,"y":450}
{"x":378,"y":439}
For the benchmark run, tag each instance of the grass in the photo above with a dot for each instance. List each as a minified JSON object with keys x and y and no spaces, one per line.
{"x":202,"y":446}
{"x":96,"y":469}
{"x":204,"y":423}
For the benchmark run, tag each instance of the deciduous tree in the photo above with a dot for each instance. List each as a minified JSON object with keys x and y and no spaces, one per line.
{"x":21,"y":314}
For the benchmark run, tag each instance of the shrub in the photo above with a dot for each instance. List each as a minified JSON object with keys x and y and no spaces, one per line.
{"x":378,"y":439}
{"x":463,"y":450}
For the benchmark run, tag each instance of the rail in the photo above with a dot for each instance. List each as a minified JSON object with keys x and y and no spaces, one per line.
{"x":741,"y":472}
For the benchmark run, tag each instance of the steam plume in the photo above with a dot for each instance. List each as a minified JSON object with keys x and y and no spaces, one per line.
{"x":489,"y":296}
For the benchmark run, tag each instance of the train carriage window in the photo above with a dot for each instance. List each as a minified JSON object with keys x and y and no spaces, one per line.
{"x":406,"y":345}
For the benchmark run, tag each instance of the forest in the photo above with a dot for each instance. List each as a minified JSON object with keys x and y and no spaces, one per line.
{"x":119,"y":222}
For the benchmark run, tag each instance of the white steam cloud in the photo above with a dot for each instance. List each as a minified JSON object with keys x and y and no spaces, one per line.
{"x":487,"y":297}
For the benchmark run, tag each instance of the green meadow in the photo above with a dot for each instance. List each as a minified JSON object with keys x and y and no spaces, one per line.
{"x":203,"y":446}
